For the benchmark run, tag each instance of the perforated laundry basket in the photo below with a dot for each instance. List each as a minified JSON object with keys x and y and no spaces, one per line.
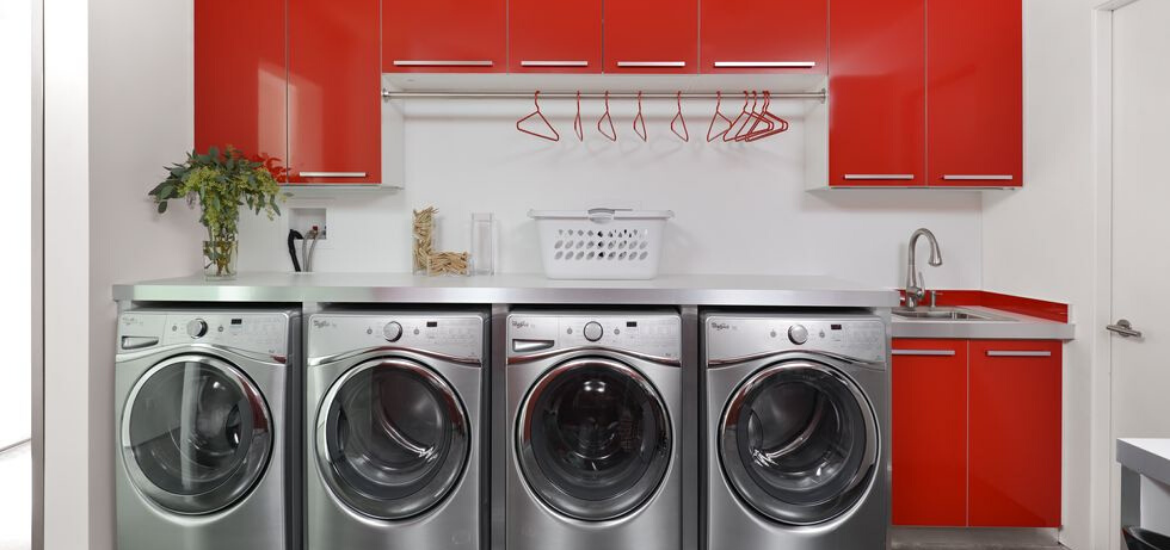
{"x":601,"y":243}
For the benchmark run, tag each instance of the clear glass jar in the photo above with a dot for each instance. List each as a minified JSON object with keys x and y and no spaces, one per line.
{"x":483,"y":244}
{"x":219,"y":259}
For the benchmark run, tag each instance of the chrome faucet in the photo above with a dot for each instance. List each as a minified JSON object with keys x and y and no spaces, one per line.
{"x":915,"y":283}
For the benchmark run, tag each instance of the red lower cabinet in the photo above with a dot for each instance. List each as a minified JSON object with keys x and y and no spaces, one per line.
{"x":930,"y":432}
{"x":1015,"y":433}
{"x":976,"y":433}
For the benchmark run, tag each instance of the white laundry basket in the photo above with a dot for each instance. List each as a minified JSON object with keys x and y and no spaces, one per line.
{"x":601,"y":243}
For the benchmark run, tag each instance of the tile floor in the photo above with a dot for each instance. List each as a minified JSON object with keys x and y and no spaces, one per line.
{"x":16,"y":498}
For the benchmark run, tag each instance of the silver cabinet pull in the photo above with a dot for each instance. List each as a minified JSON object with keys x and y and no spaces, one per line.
{"x":978,"y":177}
{"x":924,"y":352}
{"x":1019,"y":353}
{"x":651,"y":64}
{"x":554,"y":63}
{"x":441,"y":63}
{"x":332,"y":174}
{"x":765,"y":64}
{"x":1124,"y":329}
{"x":879,"y":177}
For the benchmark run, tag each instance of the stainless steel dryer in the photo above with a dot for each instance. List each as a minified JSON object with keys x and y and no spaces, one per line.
{"x":796,"y":442}
{"x":593,"y":407}
{"x":208,"y":430}
{"x":394,"y":431}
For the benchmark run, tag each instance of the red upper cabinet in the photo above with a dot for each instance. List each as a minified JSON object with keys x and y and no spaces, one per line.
{"x":334,"y":92}
{"x":929,"y":449}
{"x":240,"y":76}
{"x":558,"y":37}
{"x":731,"y":43}
{"x":877,"y":93}
{"x":976,"y":90}
{"x":1015,"y":433}
{"x":651,"y":36}
{"x":460,"y":36}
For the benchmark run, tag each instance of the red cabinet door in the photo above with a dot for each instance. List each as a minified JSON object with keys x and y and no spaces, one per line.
{"x":554,"y":37}
{"x":240,"y":76}
{"x":730,"y":40}
{"x":334,"y":92}
{"x":976,"y":93}
{"x":929,"y":448}
{"x":877,"y":105}
{"x":1015,"y":411}
{"x":436,"y":36}
{"x":651,"y":36}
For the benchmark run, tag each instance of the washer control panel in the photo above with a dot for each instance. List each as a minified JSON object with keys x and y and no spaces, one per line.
{"x":859,"y":337}
{"x":659,"y":335}
{"x":455,"y":335}
{"x":265,"y":333}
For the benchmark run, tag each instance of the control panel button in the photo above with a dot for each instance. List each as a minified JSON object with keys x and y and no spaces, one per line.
{"x":196,"y":328}
{"x":593,"y":331}
{"x":392,"y":331}
{"x":798,"y":334}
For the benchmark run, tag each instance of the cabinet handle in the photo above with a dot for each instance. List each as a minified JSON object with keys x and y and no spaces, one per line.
{"x":978,"y":177}
{"x":439,"y":63}
{"x":765,"y":64}
{"x":1019,"y":354}
{"x":651,"y":64}
{"x":332,"y":174}
{"x":924,"y":352}
{"x":900,"y":177}
{"x":554,"y":63}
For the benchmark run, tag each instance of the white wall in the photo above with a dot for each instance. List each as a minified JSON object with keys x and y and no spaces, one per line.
{"x":740,"y":209}
{"x":1039,"y":242}
{"x":119,"y":107}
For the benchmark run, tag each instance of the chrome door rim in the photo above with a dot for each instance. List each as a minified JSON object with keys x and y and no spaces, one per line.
{"x":246,"y":475}
{"x":740,"y":479}
{"x":435,"y":491}
{"x":629,"y":500}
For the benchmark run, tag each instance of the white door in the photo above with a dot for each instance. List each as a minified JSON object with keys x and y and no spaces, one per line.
{"x":1141,"y":225}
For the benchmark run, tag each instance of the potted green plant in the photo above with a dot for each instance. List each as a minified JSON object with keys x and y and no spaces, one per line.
{"x":220,"y":182}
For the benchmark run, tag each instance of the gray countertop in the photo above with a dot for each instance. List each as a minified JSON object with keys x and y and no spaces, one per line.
{"x":1148,"y":457}
{"x":697,"y":290}
{"x":1014,"y":327}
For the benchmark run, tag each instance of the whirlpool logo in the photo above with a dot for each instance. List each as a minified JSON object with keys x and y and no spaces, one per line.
{"x":323,"y":323}
{"x":516,"y":323}
{"x":720,"y":326}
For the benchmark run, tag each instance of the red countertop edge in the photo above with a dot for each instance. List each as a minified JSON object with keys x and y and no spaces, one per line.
{"x":1052,"y":311}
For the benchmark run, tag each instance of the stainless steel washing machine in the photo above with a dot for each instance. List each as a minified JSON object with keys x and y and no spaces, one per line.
{"x":395,"y":430}
{"x":208,"y":430}
{"x":796,"y":435}
{"x":593,"y":408}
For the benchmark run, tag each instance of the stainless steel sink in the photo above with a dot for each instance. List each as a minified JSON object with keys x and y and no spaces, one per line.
{"x":947,"y":314}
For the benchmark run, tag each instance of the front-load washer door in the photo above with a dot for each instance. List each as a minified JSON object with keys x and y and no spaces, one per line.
{"x":392,"y":438}
{"x":594,"y":439}
{"x":799,"y":442}
{"x":196,"y":434}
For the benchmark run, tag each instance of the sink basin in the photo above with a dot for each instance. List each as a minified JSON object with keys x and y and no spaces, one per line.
{"x":946,"y":314}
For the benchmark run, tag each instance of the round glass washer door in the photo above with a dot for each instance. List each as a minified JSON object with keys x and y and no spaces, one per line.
{"x":392,"y":438}
{"x":196,"y":434}
{"x":798,"y":442}
{"x":594,"y":439}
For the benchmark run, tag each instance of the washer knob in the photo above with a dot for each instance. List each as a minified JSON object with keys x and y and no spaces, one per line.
{"x":392,"y":331}
{"x":593,"y":331}
{"x":196,"y":328}
{"x":798,"y":334}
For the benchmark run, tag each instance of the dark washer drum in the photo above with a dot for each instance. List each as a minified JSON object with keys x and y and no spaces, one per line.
{"x":196,"y":434}
{"x":392,"y":438}
{"x":594,"y":439}
{"x":799,"y":442}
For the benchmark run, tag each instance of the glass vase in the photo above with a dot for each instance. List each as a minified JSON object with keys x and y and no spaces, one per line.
{"x":219,"y":259}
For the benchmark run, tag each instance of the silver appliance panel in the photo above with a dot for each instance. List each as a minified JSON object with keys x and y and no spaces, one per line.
{"x":658,"y":335}
{"x":859,"y":337}
{"x":263,"y":333}
{"x":331,"y":335}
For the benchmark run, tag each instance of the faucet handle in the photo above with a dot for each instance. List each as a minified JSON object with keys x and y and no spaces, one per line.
{"x":921,"y":285}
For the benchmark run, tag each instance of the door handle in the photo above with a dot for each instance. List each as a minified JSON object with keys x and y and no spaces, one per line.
{"x":1124,"y":329}
{"x":765,"y":64}
{"x":651,"y":64}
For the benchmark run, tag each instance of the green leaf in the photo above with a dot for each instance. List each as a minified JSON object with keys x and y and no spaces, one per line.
{"x":162,"y":207}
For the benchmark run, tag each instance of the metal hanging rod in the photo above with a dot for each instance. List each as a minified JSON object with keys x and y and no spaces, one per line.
{"x":387,"y":94}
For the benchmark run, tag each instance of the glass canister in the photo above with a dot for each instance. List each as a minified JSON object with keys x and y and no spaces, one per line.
{"x":483,"y":244}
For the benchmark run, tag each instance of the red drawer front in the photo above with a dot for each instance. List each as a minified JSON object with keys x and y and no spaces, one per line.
{"x":651,"y":36}
{"x":1015,"y":433}
{"x":929,"y":449}
{"x":444,"y":36}
{"x":877,"y":89}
